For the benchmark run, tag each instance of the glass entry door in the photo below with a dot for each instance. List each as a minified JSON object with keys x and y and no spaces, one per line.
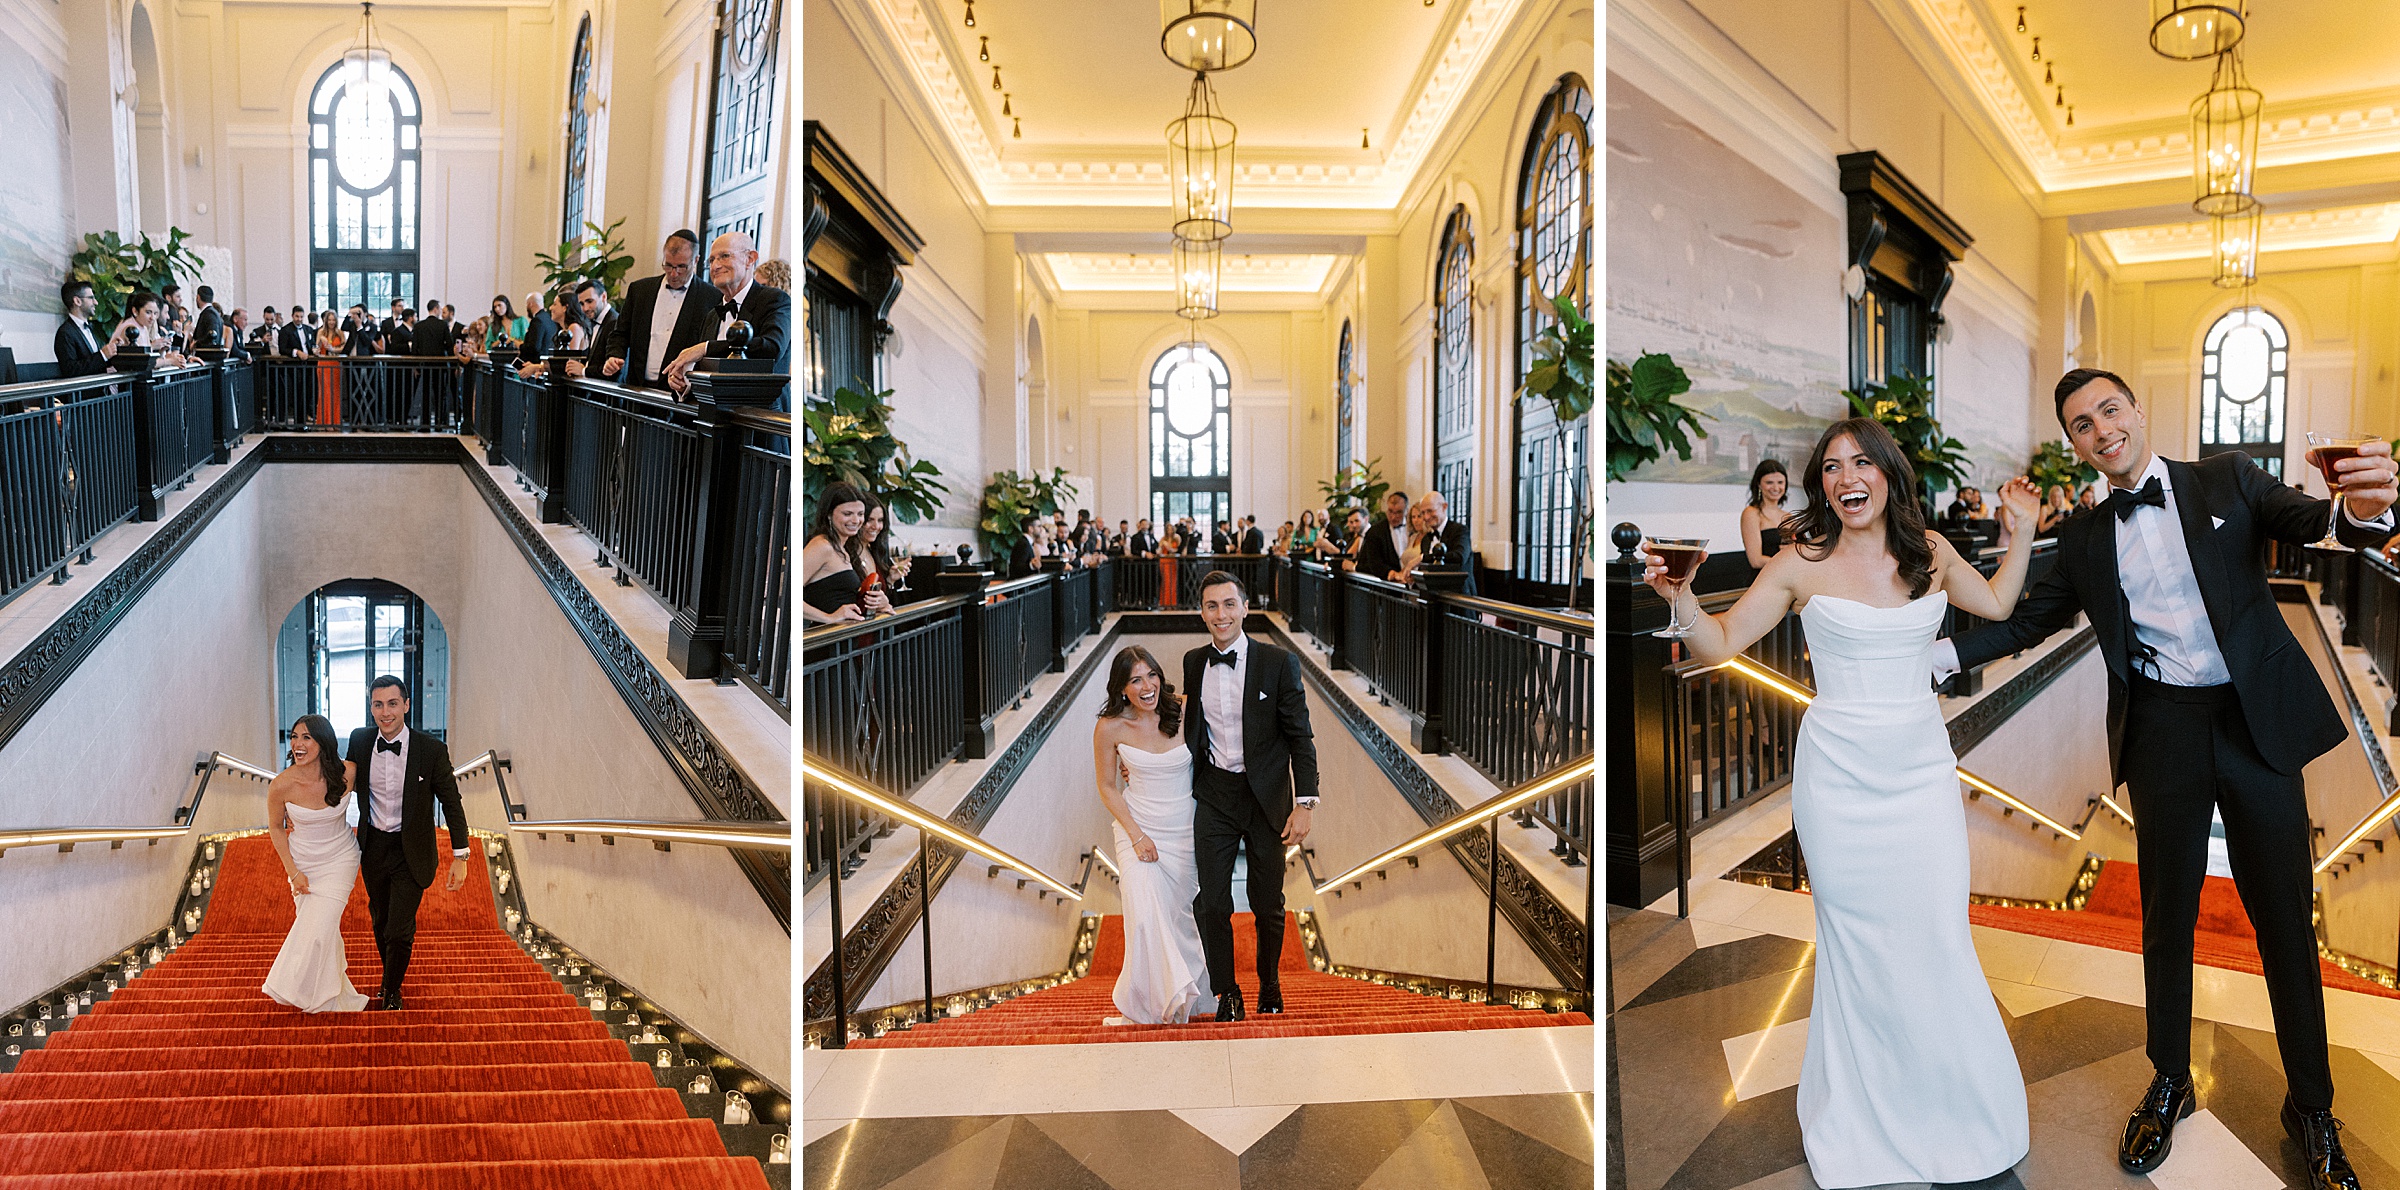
{"x":345,"y":635}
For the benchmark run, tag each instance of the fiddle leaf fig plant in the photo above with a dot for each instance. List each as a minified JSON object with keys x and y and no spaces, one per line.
{"x":1361,"y":486}
{"x":1011,"y":501}
{"x":850,"y":440}
{"x":1904,"y":405}
{"x":1562,"y":364}
{"x":117,"y":268}
{"x":598,"y":255}
{"x":1644,"y":422}
{"x":2055,"y":465}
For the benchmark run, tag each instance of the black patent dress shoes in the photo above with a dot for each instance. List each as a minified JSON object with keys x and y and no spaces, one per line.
{"x":1270,"y":999}
{"x":2151,"y":1131}
{"x":1229,"y":1005}
{"x":391,"y":1001}
{"x":2319,"y":1136}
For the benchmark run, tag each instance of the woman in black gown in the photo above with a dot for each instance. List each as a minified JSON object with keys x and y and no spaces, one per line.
{"x":833,"y":563}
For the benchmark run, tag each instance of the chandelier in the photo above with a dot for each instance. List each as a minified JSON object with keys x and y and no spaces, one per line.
{"x":2225,"y":124}
{"x":366,"y":65}
{"x":1200,"y":166}
{"x":2189,"y":30}
{"x":1196,"y":264}
{"x":2236,"y":239}
{"x":1205,"y":35}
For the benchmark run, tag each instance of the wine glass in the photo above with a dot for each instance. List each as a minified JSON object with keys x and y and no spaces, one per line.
{"x":2325,"y":451}
{"x":1682,"y":556}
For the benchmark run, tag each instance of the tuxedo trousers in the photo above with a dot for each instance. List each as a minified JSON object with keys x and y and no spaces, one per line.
{"x":1227,"y":818}
{"x":392,"y":897}
{"x":2186,"y":751}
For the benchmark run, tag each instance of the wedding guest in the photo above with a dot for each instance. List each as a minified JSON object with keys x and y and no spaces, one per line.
{"x":1306,"y":533}
{"x":2055,"y":508}
{"x":1764,"y":516}
{"x":832,"y":566}
{"x":140,"y":328}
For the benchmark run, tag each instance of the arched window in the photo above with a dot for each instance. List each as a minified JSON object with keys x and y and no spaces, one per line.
{"x":1342,"y":408}
{"x":363,"y":177}
{"x":1554,"y":252}
{"x":742,"y":163}
{"x":2243,"y":366}
{"x":1191,"y":437}
{"x":579,"y":131}
{"x":1454,"y":368}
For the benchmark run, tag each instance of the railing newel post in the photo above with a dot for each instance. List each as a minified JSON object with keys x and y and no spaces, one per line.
{"x":696,"y":638}
{"x":145,"y":449}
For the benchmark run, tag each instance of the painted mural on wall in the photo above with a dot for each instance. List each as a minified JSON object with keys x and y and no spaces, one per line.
{"x":36,"y":228}
{"x":1716,"y":263}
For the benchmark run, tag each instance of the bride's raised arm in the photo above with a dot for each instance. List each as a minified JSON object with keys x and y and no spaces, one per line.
{"x":1714,"y":638}
{"x":1994,"y":598}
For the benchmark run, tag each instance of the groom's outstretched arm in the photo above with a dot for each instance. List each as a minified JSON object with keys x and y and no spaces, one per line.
{"x":2051,"y":605}
{"x":1292,"y":713}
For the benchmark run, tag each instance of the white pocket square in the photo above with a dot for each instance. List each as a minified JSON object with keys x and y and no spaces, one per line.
{"x":1262,"y":696}
{"x":2216,"y":522}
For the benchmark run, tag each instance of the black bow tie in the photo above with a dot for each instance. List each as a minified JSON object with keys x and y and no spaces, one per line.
{"x":1226,"y":658}
{"x":391,"y":746}
{"x":2123,"y":501}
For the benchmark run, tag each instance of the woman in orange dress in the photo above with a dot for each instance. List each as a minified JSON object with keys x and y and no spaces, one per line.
{"x":1169,"y":546}
{"x":330,"y":341}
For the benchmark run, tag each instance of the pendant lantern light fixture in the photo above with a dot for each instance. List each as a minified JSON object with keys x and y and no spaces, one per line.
{"x":366,"y":65}
{"x":2235,"y":237}
{"x":2189,"y":30}
{"x":1197,"y":264}
{"x":1208,"y":35}
{"x":1200,"y":166}
{"x":2225,"y":124}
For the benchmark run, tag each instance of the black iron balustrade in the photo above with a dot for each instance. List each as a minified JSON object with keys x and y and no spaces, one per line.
{"x":364,"y":392}
{"x":1016,"y":638}
{"x":630,"y":483}
{"x":1173,"y":583}
{"x":758,"y":609}
{"x":175,"y":429}
{"x":524,"y":412}
{"x":1304,"y":589}
{"x":67,"y":474}
{"x":1383,"y":630}
{"x":1515,"y":700}
{"x":1073,"y":615}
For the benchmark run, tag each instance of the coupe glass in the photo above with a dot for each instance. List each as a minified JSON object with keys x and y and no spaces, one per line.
{"x":1682,"y":556}
{"x":2324,"y":452}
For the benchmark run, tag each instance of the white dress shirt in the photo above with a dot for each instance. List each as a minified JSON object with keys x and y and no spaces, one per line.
{"x":1221,"y":702}
{"x":663,"y":315}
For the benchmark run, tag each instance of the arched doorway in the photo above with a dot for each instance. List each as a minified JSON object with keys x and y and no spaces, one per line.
{"x":342,"y":636}
{"x":149,"y":126}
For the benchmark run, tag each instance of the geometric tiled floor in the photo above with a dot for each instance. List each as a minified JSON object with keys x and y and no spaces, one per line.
{"x":1506,"y":1142}
{"x":1680,"y":1120}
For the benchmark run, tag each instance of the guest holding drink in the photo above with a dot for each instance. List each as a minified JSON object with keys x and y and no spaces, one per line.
{"x":833,"y":565}
{"x":1764,"y":516}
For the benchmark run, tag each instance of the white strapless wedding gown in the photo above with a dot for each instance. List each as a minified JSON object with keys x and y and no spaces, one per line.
{"x":312,"y":971}
{"x":1165,"y":980}
{"x":1909,"y":1075}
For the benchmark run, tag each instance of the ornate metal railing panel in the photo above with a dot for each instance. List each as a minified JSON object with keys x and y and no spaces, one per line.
{"x":1017,"y":639}
{"x":66,"y":475}
{"x":1385,"y":628}
{"x":758,"y":614}
{"x":634,"y":483}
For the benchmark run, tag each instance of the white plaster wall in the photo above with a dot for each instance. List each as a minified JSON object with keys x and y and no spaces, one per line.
{"x":189,"y":669}
{"x":683,"y":926}
{"x":2053,"y":755}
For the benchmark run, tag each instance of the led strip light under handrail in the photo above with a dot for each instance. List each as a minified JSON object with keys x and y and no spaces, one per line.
{"x":714,"y":832}
{"x":946,"y":831}
{"x":2367,"y":826}
{"x":1804,"y":696}
{"x":1542,"y":786}
{"x":69,"y":836}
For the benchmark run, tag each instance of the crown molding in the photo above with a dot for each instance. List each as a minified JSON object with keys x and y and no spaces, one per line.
{"x":39,"y":32}
{"x":2287,"y":231}
{"x":908,"y":50}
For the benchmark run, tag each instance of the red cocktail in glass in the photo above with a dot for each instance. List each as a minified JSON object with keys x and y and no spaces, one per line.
{"x":1682,"y":556}
{"x":2325,"y":453}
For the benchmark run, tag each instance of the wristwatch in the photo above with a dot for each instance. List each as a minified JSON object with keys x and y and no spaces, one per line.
{"x":1306,"y":803}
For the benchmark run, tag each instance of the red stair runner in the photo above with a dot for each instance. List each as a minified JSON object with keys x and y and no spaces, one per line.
{"x":2112,"y":918}
{"x":494,"y":1076}
{"x":1315,"y":1005}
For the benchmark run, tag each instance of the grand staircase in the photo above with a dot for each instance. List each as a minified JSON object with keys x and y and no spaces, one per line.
{"x":493,"y":1076}
{"x":1315,"y":1005}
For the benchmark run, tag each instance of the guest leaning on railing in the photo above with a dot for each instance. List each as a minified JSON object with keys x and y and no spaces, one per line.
{"x":834,"y":567}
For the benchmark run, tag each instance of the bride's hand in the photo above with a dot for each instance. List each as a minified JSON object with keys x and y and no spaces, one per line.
{"x":1145,"y":850}
{"x":299,"y":884}
{"x":2020,"y":502}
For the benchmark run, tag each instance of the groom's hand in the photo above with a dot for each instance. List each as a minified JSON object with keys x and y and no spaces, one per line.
{"x":1295,"y":828}
{"x":2367,"y":481}
{"x":458,"y":874}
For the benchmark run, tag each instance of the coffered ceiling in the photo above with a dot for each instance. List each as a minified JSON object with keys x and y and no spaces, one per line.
{"x":1093,"y":94}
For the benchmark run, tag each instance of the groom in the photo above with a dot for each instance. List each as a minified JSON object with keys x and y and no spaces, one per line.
{"x":400,"y":776}
{"x":2211,"y":705}
{"x":1251,"y":747}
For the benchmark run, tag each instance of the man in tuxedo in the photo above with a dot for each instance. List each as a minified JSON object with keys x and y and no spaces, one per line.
{"x":1220,"y":539}
{"x":1254,"y":784}
{"x":1386,"y":540}
{"x":1119,"y":541}
{"x":663,"y":316}
{"x":262,"y":339}
{"x":602,"y":317}
{"x":397,"y":335}
{"x":237,"y":336}
{"x":2213,"y":709}
{"x":1254,"y":539}
{"x":294,"y":340}
{"x":732,"y":267}
{"x":208,"y":326}
{"x":1143,"y":543}
{"x":401,"y":775}
{"x":1440,"y":544}
{"x":430,"y":337}
{"x":79,"y":347}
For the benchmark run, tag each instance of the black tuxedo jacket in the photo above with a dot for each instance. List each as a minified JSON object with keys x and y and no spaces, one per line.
{"x":1220,"y":542}
{"x":293,"y":340}
{"x":768,"y":310}
{"x":75,"y":356}
{"x":1279,"y":752}
{"x":208,"y":328}
{"x":1142,"y":543}
{"x":429,"y":780}
{"x":1458,"y":553}
{"x":598,"y":352}
{"x":1378,"y":558}
{"x":1254,"y":541}
{"x":629,"y":338}
{"x":431,"y":337}
{"x":1023,"y":559}
{"x":2229,"y":509}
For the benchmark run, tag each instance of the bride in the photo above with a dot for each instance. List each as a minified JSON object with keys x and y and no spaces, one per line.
{"x":306,"y":821}
{"x":1165,"y":980}
{"x":1909,"y":1075}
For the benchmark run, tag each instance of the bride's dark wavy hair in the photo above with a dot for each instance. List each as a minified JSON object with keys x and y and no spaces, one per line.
{"x":1120,"y":671}
{"x":329,"y":755}
{"x":1816,"y":528}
